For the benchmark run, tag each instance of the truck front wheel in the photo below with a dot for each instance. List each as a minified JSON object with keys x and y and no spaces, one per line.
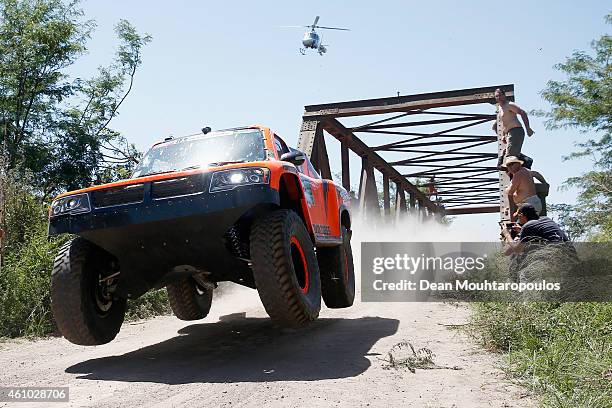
{"x":83,"y":303}
{"x":285,"y":268}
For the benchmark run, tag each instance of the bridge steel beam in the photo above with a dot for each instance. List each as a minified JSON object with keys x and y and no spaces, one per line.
{"x":386,"y":196}
{"x":408,"y":103}
{"x":336,"y":129}
{"x":452,"y":160}
{"x":472,"y":210}
{"x":400,"y":203}
{"x":346,"y":172}
{"x":368,"y":195}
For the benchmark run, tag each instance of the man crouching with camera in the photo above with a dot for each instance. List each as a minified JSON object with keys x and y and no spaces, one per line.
{"x":531,"y":228}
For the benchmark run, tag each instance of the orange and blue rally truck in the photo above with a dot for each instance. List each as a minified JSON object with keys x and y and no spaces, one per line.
{"x":233,"y":205}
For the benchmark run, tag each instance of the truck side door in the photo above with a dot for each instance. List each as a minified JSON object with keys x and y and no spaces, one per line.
{"x":321,"y":202}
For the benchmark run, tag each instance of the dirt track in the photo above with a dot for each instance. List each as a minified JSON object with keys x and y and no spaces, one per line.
{"x":237,"y":357}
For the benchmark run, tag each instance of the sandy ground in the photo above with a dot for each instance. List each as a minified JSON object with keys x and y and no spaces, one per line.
{"x":237,"y":358}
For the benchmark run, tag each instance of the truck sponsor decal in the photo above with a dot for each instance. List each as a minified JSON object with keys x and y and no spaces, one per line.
{"x":308,"y":191}
{"x":321,"y":229}
{"x":325,"y":190}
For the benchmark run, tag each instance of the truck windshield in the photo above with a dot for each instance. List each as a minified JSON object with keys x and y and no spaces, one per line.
{"x":212,"y":149}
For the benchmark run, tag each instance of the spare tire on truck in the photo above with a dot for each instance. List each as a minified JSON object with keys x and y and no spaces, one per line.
{"x":84,"y":306}
{"x":337,"y":273}
{"x":189,"y":300}
{"x":285,"y":268}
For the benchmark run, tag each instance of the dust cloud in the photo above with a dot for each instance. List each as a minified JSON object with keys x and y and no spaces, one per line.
{"x":411,"y":229}
{"x":408,"y":229}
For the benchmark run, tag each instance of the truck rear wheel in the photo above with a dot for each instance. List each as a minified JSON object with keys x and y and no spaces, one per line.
{"x":337,"y":273}
{"x":285,"y":268}
{"x":82,"y":301}
{"x":188,"y":300}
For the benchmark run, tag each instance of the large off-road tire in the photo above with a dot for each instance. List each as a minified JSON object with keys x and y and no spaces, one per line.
{"x":285,"y":268}
{"x":337,"y":273}
{"x":188,"y":300}
{"x":85,"y":310}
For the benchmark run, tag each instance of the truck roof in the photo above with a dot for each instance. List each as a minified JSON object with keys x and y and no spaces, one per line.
{"x":168,"y":139}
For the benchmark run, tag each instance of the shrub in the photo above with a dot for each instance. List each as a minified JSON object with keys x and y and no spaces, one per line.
{"x":563,"y":350}
{"x":150,"y":304}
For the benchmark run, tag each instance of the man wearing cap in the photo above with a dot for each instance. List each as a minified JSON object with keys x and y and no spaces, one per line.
{"x":512,"y":130}
{"x":532,"y":228}
{"x":522,"y":188}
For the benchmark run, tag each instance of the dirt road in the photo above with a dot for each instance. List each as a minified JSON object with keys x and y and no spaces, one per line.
{"x":237,"y":357}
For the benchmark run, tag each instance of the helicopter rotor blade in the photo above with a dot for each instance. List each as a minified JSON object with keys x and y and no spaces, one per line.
{"x":333,"y":28}
{"x":294,"y":26}
{"x":316,"y":21}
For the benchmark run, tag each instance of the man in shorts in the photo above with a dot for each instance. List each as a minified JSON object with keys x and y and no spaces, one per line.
{"x":522,"y":189}
{"x":512,"y":131}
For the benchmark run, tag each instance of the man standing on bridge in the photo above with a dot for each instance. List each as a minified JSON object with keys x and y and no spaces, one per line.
{"x":522,"y":189}
{"x":512,"y":131}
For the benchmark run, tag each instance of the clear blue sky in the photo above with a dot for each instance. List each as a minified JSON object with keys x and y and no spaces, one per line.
{"x":228,"y":63}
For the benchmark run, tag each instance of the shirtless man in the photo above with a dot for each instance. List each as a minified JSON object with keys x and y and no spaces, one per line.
{"x":512,"y":131}
{"x":522,"y":190}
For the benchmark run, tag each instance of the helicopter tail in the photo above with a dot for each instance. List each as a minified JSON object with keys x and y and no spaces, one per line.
{"x":322,"y":49}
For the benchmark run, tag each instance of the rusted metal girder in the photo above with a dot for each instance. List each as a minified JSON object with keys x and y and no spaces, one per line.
{"x":336,"y":129}
{"x":368,"y":194}
{"x":346,"y":171}
{"x":460,"y":174}
{"x":319,"y":154}
{"x":386,"y":195}
{"x":408,"y":103}
{"x":400,"y":200}
{"x":473,"y":210}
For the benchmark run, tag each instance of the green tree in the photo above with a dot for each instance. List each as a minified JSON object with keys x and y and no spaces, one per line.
{"x":54,"y":136}
{"x":50,"y":124}
{"x":584,"y":101}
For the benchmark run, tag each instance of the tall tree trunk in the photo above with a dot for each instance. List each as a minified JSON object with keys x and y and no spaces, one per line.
{"x":3,"y":168}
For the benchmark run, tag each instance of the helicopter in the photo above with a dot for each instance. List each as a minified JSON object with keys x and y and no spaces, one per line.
{"x":312,"y":39}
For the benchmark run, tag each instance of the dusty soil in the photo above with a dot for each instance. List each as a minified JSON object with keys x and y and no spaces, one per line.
{"x":237,"y":357}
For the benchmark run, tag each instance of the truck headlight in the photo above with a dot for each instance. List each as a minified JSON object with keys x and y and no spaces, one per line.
{"x":230,"y":179}
{"x":73,"y":204}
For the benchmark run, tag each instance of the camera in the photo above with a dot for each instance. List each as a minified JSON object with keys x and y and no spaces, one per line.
{"x":509,"y":226}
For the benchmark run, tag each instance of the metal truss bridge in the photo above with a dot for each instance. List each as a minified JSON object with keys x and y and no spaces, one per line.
{"x":436,"y":151}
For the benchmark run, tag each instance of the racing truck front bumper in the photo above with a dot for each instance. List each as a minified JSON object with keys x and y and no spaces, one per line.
{"x":156,"y":227}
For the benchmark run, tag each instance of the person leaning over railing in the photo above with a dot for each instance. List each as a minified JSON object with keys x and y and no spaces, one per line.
{"x":522,"y":189}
